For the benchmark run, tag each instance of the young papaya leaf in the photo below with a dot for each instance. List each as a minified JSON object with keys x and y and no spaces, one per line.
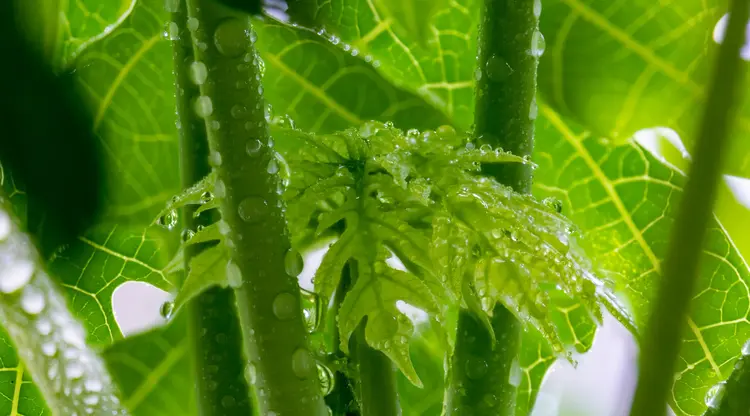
{"x":324,"y":86}
{"x":624,"y":201}
{"x":642,"y":53}
{"x":123,"y":78}
{"x":440,"y":68}
{"x":18,"y":394}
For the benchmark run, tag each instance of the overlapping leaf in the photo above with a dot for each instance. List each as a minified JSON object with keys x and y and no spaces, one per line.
{"x":624,"y":200}
{"x":18,"y":394}
{"x":620,"y":67}
{"x":326,"y":88}
{"x":440,"y":68}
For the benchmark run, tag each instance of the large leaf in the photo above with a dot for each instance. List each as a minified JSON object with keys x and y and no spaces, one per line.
{"x":18,"y":395}
{"x":324,"y":87}
{"x":620,"y":67}
{"x":126,"y":78}
{"x":440,"y":69}
{"x":625,"y":200}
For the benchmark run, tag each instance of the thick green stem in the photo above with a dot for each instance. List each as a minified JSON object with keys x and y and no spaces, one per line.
{"x":341,"y":399}
{"x":214,"y":330}
{"x":282,"y":369}
{"x":663,"y":335}
{"x":733,"y":399}
{"x":509,"y":46}
{"x":376,"y":384}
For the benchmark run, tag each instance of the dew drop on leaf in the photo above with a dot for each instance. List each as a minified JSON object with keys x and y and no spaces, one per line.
{"x":714,"y":395}
{"x":203,"y":106}
{"x":232,"y":37}
{"x":303,"y":363}
{"x":49,"y":349}
{"x":168,"y":220}
{"x":498,"y":69}
{"x":746,"y":348}
{"x":475,"y":368}
{"x":285,"y":306}
{"x":15,"y":275}
{"x":538,"y":44}
{"x":73,"y":370}
{"x":311,"y":310}
{"x":32,"y":301}
{"x":553,"y":203}
{"x":537,"y":8}
{"x":293,"y":263}
{"x":325,"y":377}
{"x":234,"y":275}
{"x":93,"y":385}
{"x":198,"y":72}
{"x":187,"y":235}
{"x":206,"y":197}
{"x":273,"y":166}
{"x":166,"y":309}
{"x":253,"y":209}
{"x":44,"y":327}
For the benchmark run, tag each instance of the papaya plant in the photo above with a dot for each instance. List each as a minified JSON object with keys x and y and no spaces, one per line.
{"x":469,"y":173}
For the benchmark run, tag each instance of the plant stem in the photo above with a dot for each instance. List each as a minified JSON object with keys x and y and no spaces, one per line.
{"x":214,"y":330}
{"x":504,"y":117}
{"x":268,"y":299}
{"x":376,"y":384}
{"x":50,"y":342}
{"x":663,"y":335}
{"x":734,"y":400}
{"x":340,"y":400}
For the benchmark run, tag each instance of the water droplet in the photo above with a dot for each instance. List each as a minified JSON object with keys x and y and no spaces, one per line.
{"x":74,"y":370}
{"x":383,"y":326}
{"x":93,"y":385}
{"x":5,"y":225}
{"x":325,"y":376}
{"x":303,"y":363}
{"x":166,"y":309}
{"x":477,"y":74}
{"x":533,"y":109}
{"x":73,"y":335}
{"x":49,"y":349}
{"x":514,"y":378}
{"x":187,"y":235}
{"x":553,"y":203}
{"x":203,"y":106}
{"x":538,"y":44}
{"x":746,"y":348}
{"x":273,"y":166}
{"x":228,"y":401}
{"x":44,"y":327}
{"x":537,"y":8}
{"x":198,"y":72}
{"x":261,"y":67}
{"x":239,"y":111}
{"x":193,"y":24}
{"x":232,"y":37}
{"x":311,"y":309}
{"x":219,"y":189}
{"x":15,"y":275}
{"x":214,"y":158}
{"x":714,"y":395}
{"x":476,"y":368}
{"x":250,"y":373}
{"x":206,"y":197}
{"x":253,"y":147}
{"x":223,"y":227}
{"x":498,"y":69}
{"x":253,"y":209}
{"x":234,"y":275}
{"x":168,"y":220}
{"x":91,"y":400}
{"x":172,"y":6}
{"x":285,"y":306}
{"x":32,"y":301}
{"x":172,"y":31}
{"x":293,"y":263}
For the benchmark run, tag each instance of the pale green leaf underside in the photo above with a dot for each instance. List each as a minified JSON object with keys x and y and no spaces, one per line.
{"x":618,"y":67}
{"x":625,"y":200}
{"x":440,"y":70}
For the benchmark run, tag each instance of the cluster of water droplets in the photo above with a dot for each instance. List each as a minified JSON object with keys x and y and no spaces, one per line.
{"x":348,"y":48}
{"x":48,"y":338}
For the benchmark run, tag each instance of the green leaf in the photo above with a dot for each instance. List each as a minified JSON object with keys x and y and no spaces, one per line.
{"x":624,"y":201}
{"x":124,"y":78}
{"x":616,"y":70}
{"x":153,"y":371}
{"x":325,"y":87}
{"x":18,"y":394}
{"x":440,"y":70}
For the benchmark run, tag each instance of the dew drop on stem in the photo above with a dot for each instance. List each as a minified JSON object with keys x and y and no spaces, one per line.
{"x":168,"y":220}
{"x":15,"y":275}
{"x":193,"y":24}
{"x":293,"y":263}
{"x":166,"y":309}
{"x":514,"y":378}
{"x":32,"y":301}
{"x":234,"y":275}
{"x":537,"y":8}
{"x":253,"y":209}
{"x":498,"y":69}
{"x":326,"y":379}
{"x":214,"y":158}
{"x":232,"y":37}
{"x":203,"y":106}
{"x":476,"y":368}
{"x":285,"y":306}
{"x":198,"y":72}
{"x":538,"y":44}
{"x":303,"y":363}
